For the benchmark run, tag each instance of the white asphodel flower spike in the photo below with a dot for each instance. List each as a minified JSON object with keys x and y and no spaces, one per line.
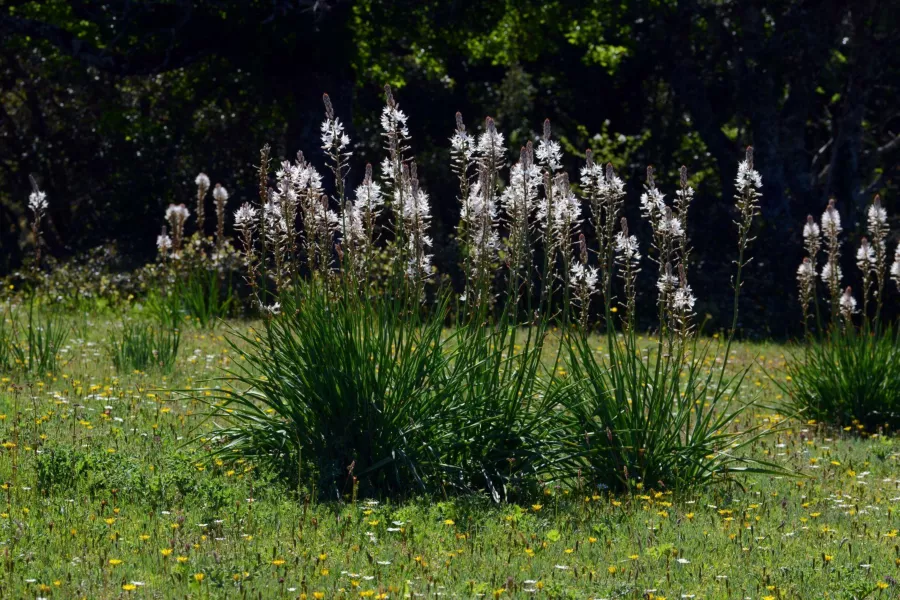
{"x":220,"y":194}
{"x":202,"y":182}
{"x":811,"y":229}
{"x":245,"y":216}
{"x":865,"y":256}
{"x":163,"y":242}
{"x":895,"y":268}
{"x":831,"y":220}
{"x":848,"y":305}
{"x":548,"y":152}
{"x":37,"y":202}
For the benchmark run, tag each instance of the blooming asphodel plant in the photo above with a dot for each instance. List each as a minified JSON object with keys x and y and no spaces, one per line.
{"x":653,"y":414}
{"x":536,"y":250}
{"x":849,"y":370}
{"x":871,"y":260}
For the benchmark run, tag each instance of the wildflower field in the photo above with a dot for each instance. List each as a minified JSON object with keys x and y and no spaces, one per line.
{"x":110,"y":491}
{"x":309,"y":409}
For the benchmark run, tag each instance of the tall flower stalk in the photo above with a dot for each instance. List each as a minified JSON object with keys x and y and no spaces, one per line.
{"x":37,"y":202}
{"x":807,"y":272}
{"x":519,"y":202}
{"x":335,"y":143}
{"x":479,"y":220}
{"x":628,"y":257}
{"x":831,"y":272}
{"x":895,"y":268}
{"x":202,"y":182}
{"x":584,"y":282}
{"x":878,"y":231}
{"x":360,"y":220}
{"x":220,"y":195}
{"x":865,"y":261}
{"x":605,"y":193}
{"x":177,"y":215}
{"x":396,"y":136}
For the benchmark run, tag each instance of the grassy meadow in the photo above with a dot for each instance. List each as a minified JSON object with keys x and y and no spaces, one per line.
{"x":110,"y":492}
{"x":374,"y":432}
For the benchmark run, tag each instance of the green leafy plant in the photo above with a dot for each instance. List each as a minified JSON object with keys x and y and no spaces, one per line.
{"x":656,"y":415}
{"x":142,"y":346}
{"x":846,"y":377}
{"x":206,"y":296}
{"x":848,"y":371}
{"x":37,"y":341}
{"x":509,"y":434}
{"x":353,"y":391}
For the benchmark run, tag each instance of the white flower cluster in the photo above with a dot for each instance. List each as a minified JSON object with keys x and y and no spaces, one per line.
{"x":549,"y":155}
{"x":333,"y":135}
{"x":865,"y":256}
{"x":811,"y":229}
{"x":848,"y":304}
{"x":684,"y":300}
{"x":559,"y":213}
{"x":245,"y":217}
{"x":37,"y":202}
{"x":831,"y":220}
{"x":583,"y":277}
{"x":627,"y":249}
{"x":830,"y":272}
{"x":480,"y":215}
{"x":394,"y":120}
{"x":747,"y":176}
{"x":361,"y":214}
{"x":176,"y":212}
{"x":491,"y":149}
{"x":220,"y":194}
{"x":163,"y":242}
{"x":202,"y":182}
{"x":895,"y":267}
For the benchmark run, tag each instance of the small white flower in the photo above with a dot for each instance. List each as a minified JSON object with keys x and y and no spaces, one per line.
{"x":584,"y":277}
{"x":462,"y":142}
{"x":333,"y":135}
{"x":672,"y":226}
{"x":491,"y":145}
{"x":684,"y":300}
{"x":202,"y":182}
{"x":827,"y":274}
{"x":627,"y":248}
{"x":805,"y":270}
{"x":245,"y":216}
{"x":273,"y":309}
{"x":848,"y":302}
{"x":895,"y":268}
{"x":666,"y":283}
{"x":810,"y":229}
{"x":652,"y":203}
{"x":393,"y":119}
{"x":37,"y":201}
{"x":549,"y":153}
{"x":831,"y":221}
{"x":177,"y":211}
{"x":877,"y":216}
{"x":865,"y":256}
{"x":220,"y":193}
{"x":747,"y":177}
{"x":163,"y":243}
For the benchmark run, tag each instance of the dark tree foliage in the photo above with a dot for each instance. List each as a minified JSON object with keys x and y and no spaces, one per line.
{"x":115,"y":106}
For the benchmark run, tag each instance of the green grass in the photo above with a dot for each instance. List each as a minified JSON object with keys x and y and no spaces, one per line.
{"x":103,"y":471}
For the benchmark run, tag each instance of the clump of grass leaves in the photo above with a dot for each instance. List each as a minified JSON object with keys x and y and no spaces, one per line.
{"x":848,"y":371}
{"x":144,"y":346}
{"x":353,"y":392}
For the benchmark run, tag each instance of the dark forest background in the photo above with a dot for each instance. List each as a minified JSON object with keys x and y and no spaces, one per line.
{"x":115,"y":107}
